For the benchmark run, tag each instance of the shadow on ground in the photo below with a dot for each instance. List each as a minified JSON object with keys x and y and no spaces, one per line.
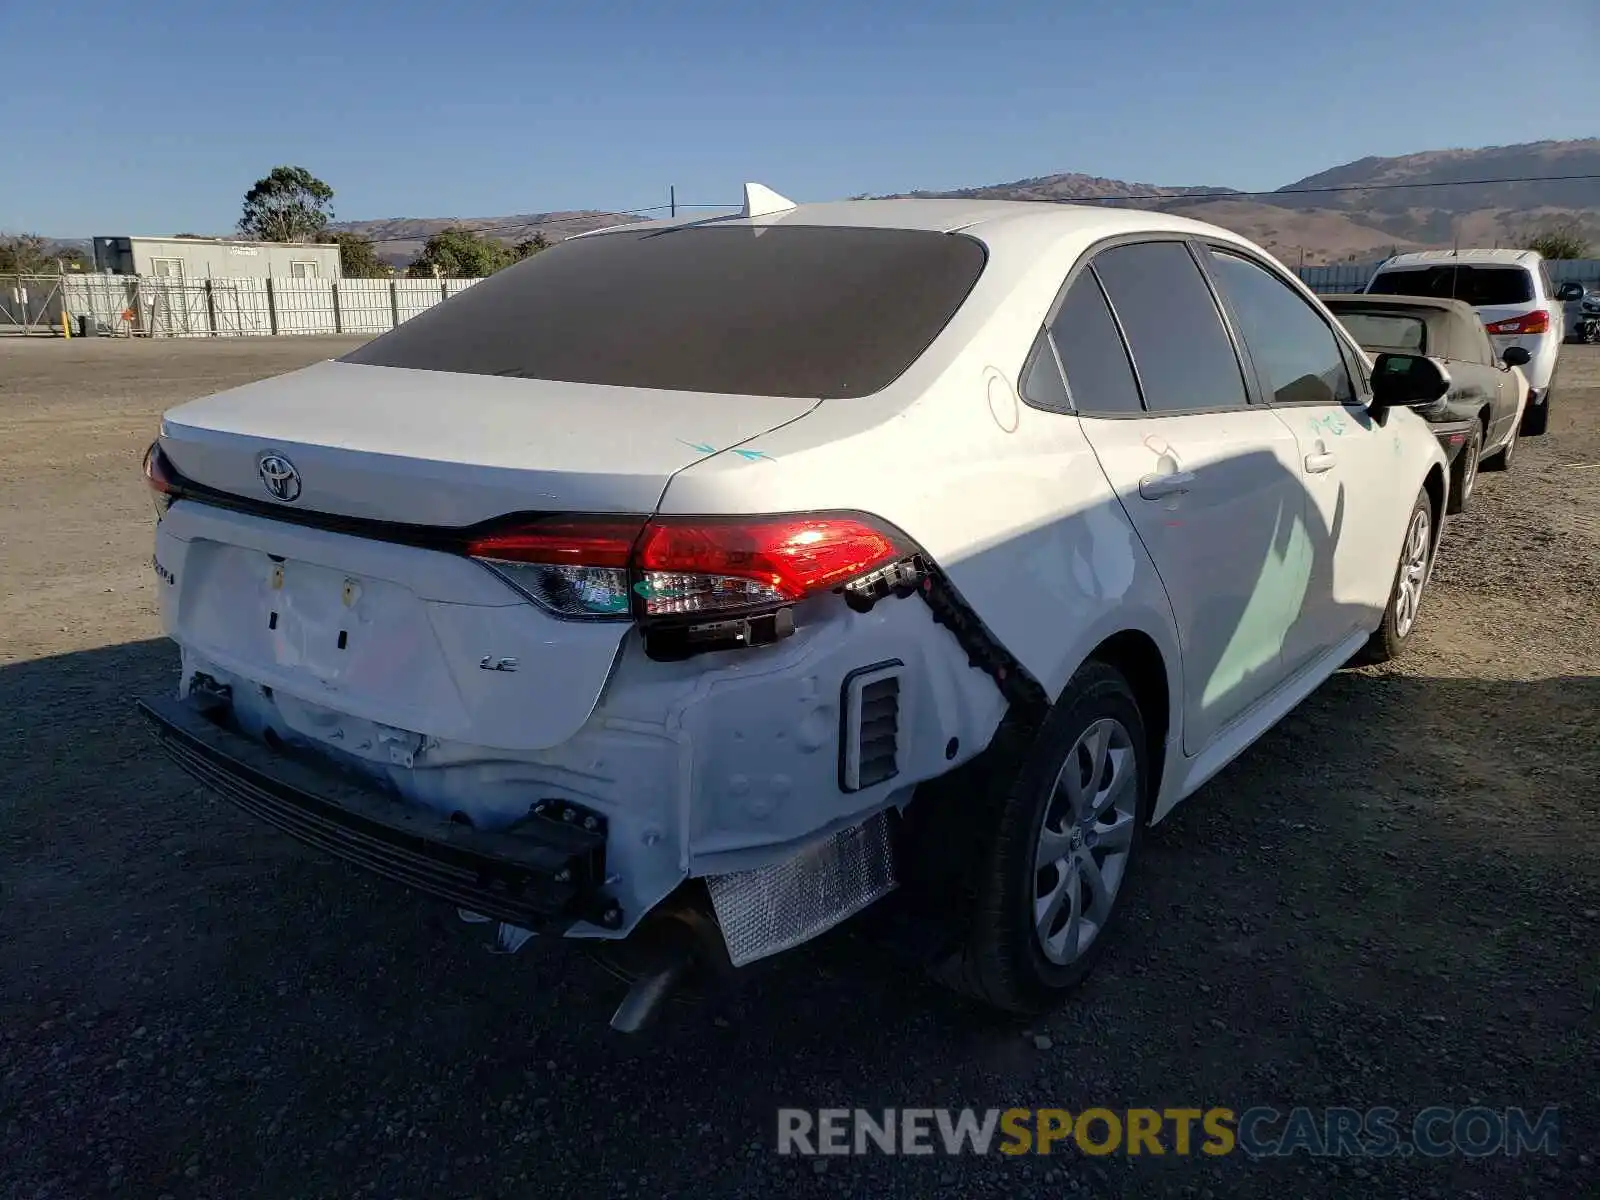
{"x":1390,"y":900}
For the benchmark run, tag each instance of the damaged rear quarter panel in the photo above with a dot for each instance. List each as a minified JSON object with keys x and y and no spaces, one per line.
{"x":1010,"y":501}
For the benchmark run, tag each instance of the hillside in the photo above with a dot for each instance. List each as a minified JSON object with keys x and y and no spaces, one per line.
{"x":398,"y":239}
{"x":1433,"y":207}
{"x":1408,"y":202}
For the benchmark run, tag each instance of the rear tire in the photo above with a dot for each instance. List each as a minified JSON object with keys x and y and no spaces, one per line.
{"x":1536,"y":420}
{"x":1411,"y":577}
{"x":1047,"y":884}
{"x":1464,"y":475}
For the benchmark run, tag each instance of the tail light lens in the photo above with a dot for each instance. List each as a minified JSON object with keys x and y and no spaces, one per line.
{"x":1534,"y":322}
{"x":709,"y":565}
{"x":158,"y":473}
{"x":688,"y":567}
{"x":574,"y":567}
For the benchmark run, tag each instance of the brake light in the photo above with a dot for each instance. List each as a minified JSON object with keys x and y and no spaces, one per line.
{"x":158,"y":473}
{"x":668,"y":566}
{"x":1534,"y":322}
{"x":575,"y":567}
{"x":706,"y":564}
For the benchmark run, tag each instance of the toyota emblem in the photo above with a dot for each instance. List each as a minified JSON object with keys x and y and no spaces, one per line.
{"x":279,"y":477}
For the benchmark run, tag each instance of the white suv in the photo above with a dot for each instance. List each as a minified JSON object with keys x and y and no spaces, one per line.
{"x":1514,"y":297}
{"x":700,"y":581}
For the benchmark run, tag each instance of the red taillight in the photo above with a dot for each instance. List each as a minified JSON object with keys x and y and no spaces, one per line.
{"x":601,"y":542}
{"x":687,"y":567}
{"x":1534,"y":322}
{"x":158,"y":473}
{"x":792,"y":556}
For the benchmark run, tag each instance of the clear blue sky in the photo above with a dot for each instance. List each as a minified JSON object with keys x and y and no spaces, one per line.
{"x":154,"y":117}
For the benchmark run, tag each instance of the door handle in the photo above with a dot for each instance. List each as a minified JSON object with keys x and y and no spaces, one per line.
{"x":1318,"y":463}
{"x":1159,"y":487}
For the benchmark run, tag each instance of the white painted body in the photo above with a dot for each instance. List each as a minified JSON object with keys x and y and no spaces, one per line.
{"x":1544,"y":349}
{"x":1253,"y":587}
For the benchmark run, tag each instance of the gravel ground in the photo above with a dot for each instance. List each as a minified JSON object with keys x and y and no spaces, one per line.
{"x":1391,"y":900}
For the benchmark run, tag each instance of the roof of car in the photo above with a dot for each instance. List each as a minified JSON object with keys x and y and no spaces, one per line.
{"x":1434,"y":258}
{"x":991,"y":219}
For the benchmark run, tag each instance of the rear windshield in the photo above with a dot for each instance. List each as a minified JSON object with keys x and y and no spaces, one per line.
{"x":782,"y":310}
{"x":1478,"y":286}
{"x":1384,"y":331}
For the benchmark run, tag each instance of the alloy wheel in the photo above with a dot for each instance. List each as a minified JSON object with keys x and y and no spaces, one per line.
{"x":1413,"y":572}
{"x":1085,"y":841}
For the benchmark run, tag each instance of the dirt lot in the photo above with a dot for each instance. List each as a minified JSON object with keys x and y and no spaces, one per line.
{"x":1394,"y":899}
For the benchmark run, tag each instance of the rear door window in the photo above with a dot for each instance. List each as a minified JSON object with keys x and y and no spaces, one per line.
{"x":1180,"y":347}
{"x":1481,"y":287}
{"x":776,"y":310}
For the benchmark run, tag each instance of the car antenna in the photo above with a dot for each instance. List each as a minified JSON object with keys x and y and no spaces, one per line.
{"x":762,"y":201}
{"x":1455,"y":267}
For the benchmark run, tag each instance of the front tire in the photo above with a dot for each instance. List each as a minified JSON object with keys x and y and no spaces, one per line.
{"x":1048,"y":882}
{"x":1464,"y":475}
{"x":1501,"y":459}
{"x":1411,"y":578}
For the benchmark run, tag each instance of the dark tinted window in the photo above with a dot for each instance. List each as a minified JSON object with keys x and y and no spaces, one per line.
{"x":1042,"y":385}
{"x":1176,"y":335}
{"x":1099,"y":377}
{"x":1288,"y":339}
{"x":769,"y":311}
{"x":1478,"y":286}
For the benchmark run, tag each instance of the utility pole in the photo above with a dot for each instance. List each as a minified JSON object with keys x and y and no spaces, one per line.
{"x":672,"y":198}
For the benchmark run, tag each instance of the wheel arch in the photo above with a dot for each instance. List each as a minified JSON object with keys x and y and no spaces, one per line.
{"x":1136,"y":655}
{"x":1434,"y":484}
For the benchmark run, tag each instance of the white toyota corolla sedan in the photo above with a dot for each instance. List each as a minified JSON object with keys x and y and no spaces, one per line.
{"x":691,"y":584}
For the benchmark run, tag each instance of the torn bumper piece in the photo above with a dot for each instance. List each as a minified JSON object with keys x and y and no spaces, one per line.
{"x":542,"y":874}
{"x":771,"y":909}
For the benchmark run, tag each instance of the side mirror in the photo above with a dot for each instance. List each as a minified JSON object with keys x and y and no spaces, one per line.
{"x":1569,"y":291}
{"x":1516,"y":356}
{"x":1407,"y":381}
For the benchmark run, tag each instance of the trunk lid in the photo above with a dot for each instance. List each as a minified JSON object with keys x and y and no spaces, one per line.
{"x":350,"y":636}
{"x":436,"y":448}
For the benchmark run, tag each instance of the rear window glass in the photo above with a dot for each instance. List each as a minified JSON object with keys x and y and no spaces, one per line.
{"x":1387,"y":331}
{"x":780,"y":310}
{"x":1478,"y":286}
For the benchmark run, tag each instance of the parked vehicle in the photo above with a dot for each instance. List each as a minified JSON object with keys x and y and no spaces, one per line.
{"x":1582,"y":304}
{"x":691,"y":584}
{"x":1514,"y":297}
{"x":1478,"y":418}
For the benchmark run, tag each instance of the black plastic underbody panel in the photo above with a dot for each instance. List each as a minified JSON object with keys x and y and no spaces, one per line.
{"x":540,"y":874}
{"x":1452,"y":436}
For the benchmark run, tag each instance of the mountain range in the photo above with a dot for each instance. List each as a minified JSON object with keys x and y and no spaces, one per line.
{"x":1373,"y":206}
{"x":1356,"y":212}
